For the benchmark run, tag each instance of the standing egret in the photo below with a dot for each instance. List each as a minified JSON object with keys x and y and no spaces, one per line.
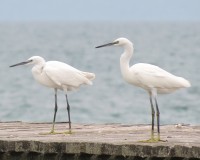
{"x":149,"y":77}
{"x":58,"y":75}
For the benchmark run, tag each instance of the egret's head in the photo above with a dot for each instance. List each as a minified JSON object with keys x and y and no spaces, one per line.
{"x":32,"y":60}
{"x":117,"y":42}
{"x":35,"y":60}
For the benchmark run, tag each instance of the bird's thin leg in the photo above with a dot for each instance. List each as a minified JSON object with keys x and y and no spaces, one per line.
{"x":153,"y":116}
{"x":55,"y":111}
{"x":158,"y":118}
{"x":153,"y":95}
{"x":68,"y":110}
{"x":152,"y":139}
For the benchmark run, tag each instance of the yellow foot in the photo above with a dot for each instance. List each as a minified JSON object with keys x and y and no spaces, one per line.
{"x":153,"y":140}
{"x":53,"y":133}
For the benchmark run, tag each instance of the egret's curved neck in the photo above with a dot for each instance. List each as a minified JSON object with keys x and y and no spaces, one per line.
{"x":125,"y":59}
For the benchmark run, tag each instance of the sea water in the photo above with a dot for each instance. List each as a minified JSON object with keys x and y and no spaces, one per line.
{"x":174,"y":47}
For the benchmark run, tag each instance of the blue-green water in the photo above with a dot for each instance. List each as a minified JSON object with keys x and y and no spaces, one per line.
{"x":174,"y":47}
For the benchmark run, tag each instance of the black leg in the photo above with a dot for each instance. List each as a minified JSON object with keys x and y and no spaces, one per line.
{"x":68,"y":110}
{"x":158,"y":118}
{"x":55,"y":111}
{"x":153,"y":116}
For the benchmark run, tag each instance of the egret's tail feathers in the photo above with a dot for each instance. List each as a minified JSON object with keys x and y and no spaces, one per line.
{"x":184,"y":82}
{"x":89,"y":76}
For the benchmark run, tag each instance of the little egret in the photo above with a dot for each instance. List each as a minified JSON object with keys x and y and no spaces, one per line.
{"x":149,"y":77}
{"x":58,"y":75}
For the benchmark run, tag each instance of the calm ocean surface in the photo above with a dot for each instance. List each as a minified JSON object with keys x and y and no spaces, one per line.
{"x":174,"y":47}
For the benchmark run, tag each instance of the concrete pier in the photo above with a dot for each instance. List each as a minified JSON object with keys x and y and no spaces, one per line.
{"x":20,"y":141}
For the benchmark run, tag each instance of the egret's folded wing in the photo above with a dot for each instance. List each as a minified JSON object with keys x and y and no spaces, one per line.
{"x":153,"y":76}
{"x":63,"y":74}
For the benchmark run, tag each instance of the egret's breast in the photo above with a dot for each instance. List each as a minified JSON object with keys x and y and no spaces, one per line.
{"x":43,"y":79}
{"x":132,"y":78}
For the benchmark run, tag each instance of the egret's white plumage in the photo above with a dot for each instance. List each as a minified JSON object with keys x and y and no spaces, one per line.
{"x":149,"y":77}
{"x":58,"y":75}
{"x":55,"y":74}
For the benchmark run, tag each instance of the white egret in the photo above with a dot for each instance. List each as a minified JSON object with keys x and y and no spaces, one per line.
{"x":58,"y":75}
{"x":149,"y":77}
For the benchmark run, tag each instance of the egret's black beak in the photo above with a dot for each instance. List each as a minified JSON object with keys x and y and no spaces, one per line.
{"x":108,"y":44}
{"x":21,"y":63}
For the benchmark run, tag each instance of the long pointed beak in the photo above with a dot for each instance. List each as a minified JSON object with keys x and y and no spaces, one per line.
{"x":21,"y":63}
{"x":108,"y":44}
